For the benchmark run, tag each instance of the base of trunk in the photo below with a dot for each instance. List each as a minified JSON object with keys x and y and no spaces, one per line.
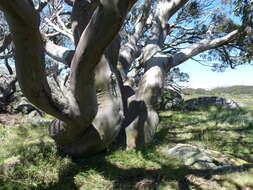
{"x":140,"y":125}
{"x":76,"y":144}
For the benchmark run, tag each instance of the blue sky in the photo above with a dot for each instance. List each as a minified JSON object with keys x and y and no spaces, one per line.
{"x":203,"y":77}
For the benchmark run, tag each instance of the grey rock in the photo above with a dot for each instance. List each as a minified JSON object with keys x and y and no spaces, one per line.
{"x":25,"y":107}
{"x":206,"y":101}
{"x":194,"y":157}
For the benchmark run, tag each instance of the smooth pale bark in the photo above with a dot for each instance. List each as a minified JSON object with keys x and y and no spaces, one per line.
{"x":91,"y":114}
{"x":110,"y":108}
{"x":82,"y":130}
{"x":58,"y":53}
{"x":24,"y":21}
{"x":142,"y":118}
{"x":106,"y":124}
{"x":202,"y":46}
{"x":140,"y":126}
{"x":164,"y":11}
{"x":106,"y":22}
{"x":129,"y":50}
{"x":95,"y":93}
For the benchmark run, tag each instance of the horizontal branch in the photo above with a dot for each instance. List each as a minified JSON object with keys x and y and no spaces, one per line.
{"x":201,"y":46}
{"x":58,"y":53}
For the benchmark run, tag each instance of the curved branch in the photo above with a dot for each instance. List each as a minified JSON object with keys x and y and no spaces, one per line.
{"x":24,"y":22}
{"x":129,"y":50}
{"x":164,"y":11}
{"x":99,"y":33}
{"x":168,"y":8}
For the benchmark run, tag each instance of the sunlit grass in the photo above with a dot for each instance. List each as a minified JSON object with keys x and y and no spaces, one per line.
{"x":229,"y":131}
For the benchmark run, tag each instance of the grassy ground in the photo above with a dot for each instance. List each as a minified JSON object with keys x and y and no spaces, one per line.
{"x":29,"y":159}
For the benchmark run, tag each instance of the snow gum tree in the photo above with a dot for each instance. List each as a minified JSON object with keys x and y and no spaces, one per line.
{"x":118,"y":54}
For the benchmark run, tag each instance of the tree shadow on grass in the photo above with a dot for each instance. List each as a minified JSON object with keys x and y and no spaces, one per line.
{"x":141,"y":178}
{"x":138,"y":178}
{"x":229,"y":130}
{"x":123,"y":178}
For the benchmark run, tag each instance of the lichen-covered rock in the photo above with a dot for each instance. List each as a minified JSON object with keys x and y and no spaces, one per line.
{"x":193,"y":156}
{"x":199,"y":158}
{"x":25,"y":107}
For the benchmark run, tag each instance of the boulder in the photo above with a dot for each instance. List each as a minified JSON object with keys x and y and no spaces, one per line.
{"x":25,"y":107}
{"x":6,"y":88}
{"x":193,"y":156}
{"x":199,"y":158}
{"x":195,"y":104}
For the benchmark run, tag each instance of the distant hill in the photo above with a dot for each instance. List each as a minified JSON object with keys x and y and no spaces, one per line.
{"x":236,"y":90}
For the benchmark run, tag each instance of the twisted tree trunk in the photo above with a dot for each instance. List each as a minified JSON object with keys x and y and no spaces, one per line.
{"x":100,"y":101}
{"x":84,"y":123}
